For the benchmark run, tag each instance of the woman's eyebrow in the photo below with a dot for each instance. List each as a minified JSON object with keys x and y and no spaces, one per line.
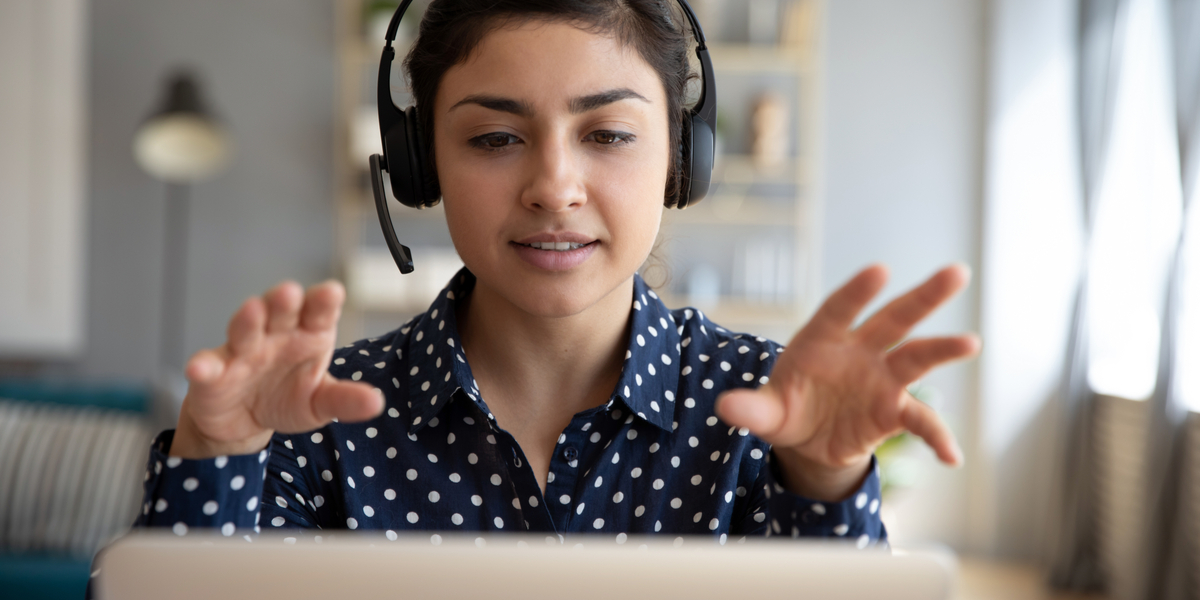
{"x":577,"y":105}
{"x":508,"y":105}
{"x":583,"y":104}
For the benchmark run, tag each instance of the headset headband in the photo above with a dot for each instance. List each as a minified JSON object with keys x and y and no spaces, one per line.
{"x":706,"y":107}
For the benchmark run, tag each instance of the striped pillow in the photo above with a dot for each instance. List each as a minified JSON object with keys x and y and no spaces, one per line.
{"x":70,"y":477}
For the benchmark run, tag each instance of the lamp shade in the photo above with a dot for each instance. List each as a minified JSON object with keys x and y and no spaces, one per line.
{"x":182,"y":142}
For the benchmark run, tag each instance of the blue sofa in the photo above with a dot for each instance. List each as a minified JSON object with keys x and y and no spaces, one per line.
{"x":71,"y":466}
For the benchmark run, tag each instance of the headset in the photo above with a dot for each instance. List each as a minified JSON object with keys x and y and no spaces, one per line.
{"x":404,"y":146}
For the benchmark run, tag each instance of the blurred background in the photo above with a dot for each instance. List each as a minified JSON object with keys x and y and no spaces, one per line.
{"x":160,"y":161}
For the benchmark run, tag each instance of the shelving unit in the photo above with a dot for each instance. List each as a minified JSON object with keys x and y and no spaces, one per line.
{"x":748,"y":255}
{"x":750,"y":205}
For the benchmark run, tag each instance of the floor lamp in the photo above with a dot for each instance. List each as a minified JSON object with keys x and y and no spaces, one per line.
{"x":181,"y":143}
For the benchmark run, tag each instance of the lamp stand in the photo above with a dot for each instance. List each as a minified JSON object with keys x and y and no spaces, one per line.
{"x":174,"y":277}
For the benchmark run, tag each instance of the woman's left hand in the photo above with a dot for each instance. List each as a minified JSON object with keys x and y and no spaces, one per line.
{"x":836,"y":393}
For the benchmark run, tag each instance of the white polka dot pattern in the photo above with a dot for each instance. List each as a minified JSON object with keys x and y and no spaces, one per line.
{"x":437,"y":459}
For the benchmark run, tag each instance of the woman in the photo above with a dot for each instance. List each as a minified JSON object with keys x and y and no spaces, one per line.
{"x":547,"y":388}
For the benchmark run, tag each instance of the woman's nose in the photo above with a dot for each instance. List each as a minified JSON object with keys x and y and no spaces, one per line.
{"x":556,"y":179}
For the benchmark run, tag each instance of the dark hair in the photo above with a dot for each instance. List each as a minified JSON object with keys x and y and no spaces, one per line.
{"x":451,"y":29}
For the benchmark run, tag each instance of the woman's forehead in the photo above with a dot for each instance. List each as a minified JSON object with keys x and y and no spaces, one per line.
{"x":548,"y":63}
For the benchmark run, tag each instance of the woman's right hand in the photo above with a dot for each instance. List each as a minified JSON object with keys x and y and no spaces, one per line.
{"x":271,"y":375}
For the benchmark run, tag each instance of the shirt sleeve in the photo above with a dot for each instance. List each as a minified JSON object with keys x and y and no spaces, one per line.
{"x":221,"y":493}
{"x":775,"y":511}
{"x":288,"y":498}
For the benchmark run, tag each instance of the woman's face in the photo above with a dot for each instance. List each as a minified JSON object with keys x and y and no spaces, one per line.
{"x":549,"y":137}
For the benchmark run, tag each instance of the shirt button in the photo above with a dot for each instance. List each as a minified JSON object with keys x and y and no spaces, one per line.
{"x":570,"y":453}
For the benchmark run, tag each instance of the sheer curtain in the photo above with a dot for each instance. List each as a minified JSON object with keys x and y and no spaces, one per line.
{"x":1186,"y":34}
{"x":1136,"y":319}
{"x":1168,"y":551}
{"x":1075,"y":560}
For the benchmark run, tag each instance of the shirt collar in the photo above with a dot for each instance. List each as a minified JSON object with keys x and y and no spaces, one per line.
{"x":436,"y":366}
{"x":649,"y":377}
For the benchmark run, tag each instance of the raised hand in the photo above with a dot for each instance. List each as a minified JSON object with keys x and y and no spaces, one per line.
{"x":836,"y":393}
{"x":270,"y":376}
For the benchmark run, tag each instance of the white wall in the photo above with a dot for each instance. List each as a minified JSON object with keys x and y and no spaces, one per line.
{"x":43,"y":63}
{"x":903,"y":101}
{"x":1033,"y":239}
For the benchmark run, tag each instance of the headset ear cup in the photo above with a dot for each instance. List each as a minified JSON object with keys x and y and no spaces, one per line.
{"x":395,"y":144}
{"x":426,"y":181}
{"x":682,"y":166}
{"x":433,"y":189}
{"x":415,"y":168}
{"x":701,"y":155}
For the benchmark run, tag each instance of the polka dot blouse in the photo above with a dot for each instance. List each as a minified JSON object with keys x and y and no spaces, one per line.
{"x":653,"y":459}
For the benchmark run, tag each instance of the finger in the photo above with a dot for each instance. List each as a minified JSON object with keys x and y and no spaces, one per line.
{"x":888,"y":326}
{"x":920,"y":419}
{"x":915,"y":358}
{"x":245,"y":329}
{"x":759,"y":410}
{"x":204,"y":367}
{"x":322,"y":306}
{"x":347,"y":401}
{"x":283,"y":306}
{"x":843,"y":306}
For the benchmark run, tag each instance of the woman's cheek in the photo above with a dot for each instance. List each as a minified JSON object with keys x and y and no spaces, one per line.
{"x":466,"y":215}
{"x":639,"y":195}
{"x":475,"y":198}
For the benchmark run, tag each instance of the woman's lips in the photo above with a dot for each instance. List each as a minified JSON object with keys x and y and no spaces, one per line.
{"x":556,"y":237}
{"x":555,"y":260}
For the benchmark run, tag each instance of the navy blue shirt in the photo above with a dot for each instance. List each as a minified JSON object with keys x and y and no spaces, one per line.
{"x":653,"y":459}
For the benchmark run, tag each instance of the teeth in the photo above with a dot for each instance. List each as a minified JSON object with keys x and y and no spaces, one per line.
{"x":557,"y":246}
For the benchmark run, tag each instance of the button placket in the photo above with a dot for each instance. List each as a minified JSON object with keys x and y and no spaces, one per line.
{"x":565,"y":471}
{"x":526,"y":486}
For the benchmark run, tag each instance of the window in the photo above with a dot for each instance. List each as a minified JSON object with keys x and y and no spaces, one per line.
{"x":1137,"y":215}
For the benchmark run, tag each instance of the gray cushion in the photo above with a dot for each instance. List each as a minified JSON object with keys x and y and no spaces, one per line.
{"x":70,"y":477}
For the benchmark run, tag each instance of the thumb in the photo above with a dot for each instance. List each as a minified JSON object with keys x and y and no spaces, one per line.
{"x":348,"y":401}
{"x":760,"y":411}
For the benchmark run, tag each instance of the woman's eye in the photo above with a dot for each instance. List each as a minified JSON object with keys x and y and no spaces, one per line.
{"x":494,"y":141}
{"x":611,"y":138}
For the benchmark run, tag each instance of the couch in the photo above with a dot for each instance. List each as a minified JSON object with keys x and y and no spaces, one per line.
{"x":72,"y":460}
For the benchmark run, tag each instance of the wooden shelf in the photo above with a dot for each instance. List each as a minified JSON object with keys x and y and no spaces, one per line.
{"x":740,"y":311}
{"x":760,"y":59}
{"x":390,"y":308}
{"x":741,"y":168}
{"x":733,"y":209}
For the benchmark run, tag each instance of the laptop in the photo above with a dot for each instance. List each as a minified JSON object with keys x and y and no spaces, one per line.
{"x":313,"y":565}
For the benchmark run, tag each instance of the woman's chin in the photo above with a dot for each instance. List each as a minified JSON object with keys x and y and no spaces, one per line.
{"x":561,"y":295}
{"x":560,"y":300}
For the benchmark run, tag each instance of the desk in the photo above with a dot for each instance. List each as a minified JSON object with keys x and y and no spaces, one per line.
{"x":983,"y":579}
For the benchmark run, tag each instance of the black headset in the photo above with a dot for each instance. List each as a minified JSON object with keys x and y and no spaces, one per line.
{"x":404,"y":145}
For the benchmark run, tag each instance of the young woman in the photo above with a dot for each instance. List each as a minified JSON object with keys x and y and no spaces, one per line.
{"x":547,"y":388}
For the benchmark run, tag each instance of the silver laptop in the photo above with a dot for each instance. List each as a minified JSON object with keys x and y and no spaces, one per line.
{"x":451,"y":566}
